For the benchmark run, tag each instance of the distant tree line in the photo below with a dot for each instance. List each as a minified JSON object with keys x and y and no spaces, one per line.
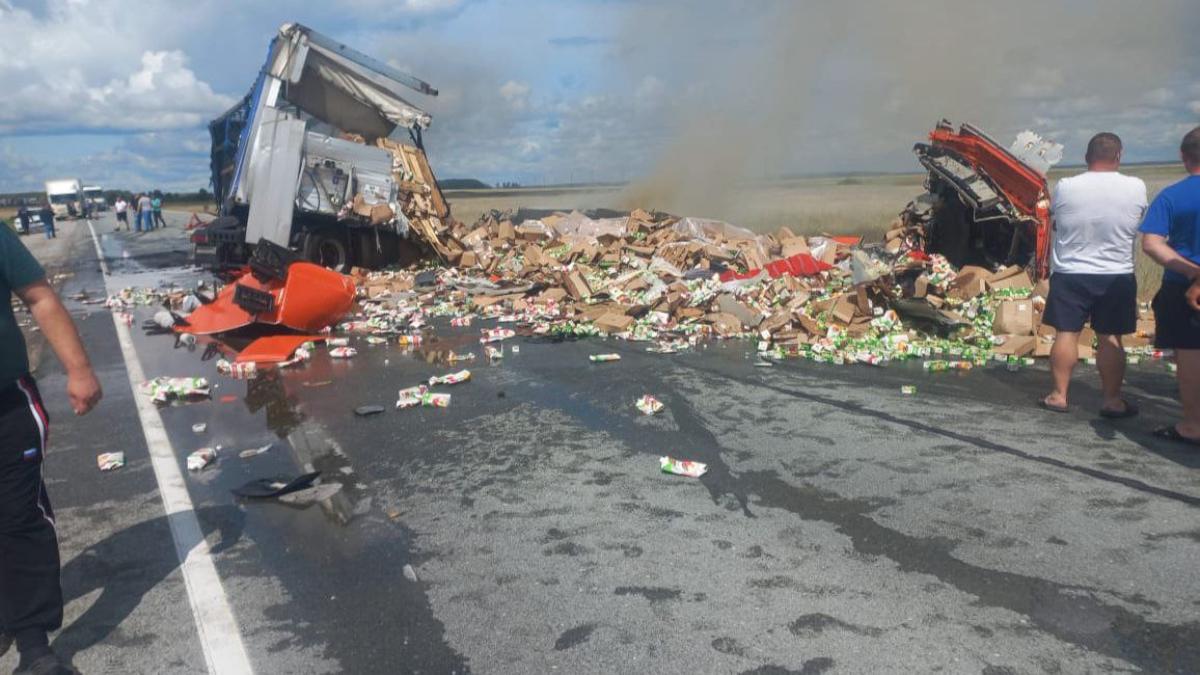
{"x":36,"y":198}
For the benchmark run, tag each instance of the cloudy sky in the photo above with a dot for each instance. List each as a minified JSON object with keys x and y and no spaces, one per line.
{"x":119,"y":91}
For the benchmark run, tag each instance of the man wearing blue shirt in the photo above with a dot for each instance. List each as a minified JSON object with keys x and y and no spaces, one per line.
{"x":1171,"y":236}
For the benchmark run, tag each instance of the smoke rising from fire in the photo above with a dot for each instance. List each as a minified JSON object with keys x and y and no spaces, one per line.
{"x":761,"y":90}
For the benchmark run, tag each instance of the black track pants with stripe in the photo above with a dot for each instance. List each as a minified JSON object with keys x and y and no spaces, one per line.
{"x":30,"y":594}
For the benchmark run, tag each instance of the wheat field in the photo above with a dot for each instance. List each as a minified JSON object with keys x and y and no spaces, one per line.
{"x":859,"y":205}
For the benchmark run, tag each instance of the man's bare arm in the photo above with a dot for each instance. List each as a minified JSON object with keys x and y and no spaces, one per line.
{"x":1156,"y":246}
{"x":82,"y":386}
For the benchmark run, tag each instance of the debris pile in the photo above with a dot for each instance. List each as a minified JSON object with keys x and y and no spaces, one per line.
{"x":672,"y":282}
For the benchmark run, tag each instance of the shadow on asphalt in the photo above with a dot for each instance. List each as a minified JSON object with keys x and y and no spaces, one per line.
{"x":120,"y":569}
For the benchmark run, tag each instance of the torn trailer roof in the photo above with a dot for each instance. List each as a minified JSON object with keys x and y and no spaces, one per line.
{"x":343,"y":87}
{"x":315,"y":82}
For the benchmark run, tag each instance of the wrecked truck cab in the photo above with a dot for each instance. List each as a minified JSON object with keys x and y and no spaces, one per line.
{"x":323,"y":156}
{"x":985,"y":205}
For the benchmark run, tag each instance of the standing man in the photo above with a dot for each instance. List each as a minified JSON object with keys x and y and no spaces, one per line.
{"x":31,"y":601}
{"x":145,"y":217}
{"x":1096,"y":216}
{"x":122,"y":208}
{"x":1171,"y":235}
{"x":23,"y":218}
{"x":156,"y":205}
{"x":47,"y":215}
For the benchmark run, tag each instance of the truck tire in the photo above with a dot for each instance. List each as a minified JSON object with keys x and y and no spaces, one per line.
{"x":328,"y":249}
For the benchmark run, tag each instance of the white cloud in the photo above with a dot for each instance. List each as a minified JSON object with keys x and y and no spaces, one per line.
{"x":516,"y":94}
{"x":407,"y":7}
{"x":75,"y":70}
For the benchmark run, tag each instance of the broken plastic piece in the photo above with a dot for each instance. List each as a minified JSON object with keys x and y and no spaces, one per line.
{"x":275,"y":349}
{"x":367,"y":410}
{"x":343,"y":352}
{"x":604,"y":358}
{"x":265,"y":488}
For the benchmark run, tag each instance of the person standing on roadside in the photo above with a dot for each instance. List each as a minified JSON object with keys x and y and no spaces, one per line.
{"x":23,"y":218}
{"x":145,"y":215}
{"x":121,"y":207}
{"x":47,"y":216}
{"x":156,"y":205}
{"x":1096,"y":216}
{"x":31,"y":602}
{"x":1171,"y":235}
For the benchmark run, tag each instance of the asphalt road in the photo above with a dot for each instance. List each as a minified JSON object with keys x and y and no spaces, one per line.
{"x":843,"y":527}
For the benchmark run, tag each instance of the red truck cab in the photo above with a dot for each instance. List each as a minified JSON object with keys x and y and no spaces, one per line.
{"x":986,"y":205}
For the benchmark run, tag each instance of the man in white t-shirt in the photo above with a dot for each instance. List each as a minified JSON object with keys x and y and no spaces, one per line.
{"x":1096,"y":219}
{"x":122,"y":209}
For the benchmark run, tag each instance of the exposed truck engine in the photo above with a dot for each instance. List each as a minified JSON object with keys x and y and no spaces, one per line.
{"x":985,"y":205}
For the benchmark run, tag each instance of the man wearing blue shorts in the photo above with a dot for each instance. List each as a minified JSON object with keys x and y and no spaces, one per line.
{"x":1171,"y":235}
{"x":1096,"y":216}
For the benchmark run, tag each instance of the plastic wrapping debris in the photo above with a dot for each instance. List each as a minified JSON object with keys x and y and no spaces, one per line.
{"x":108,"y":461}
{"x":682,"y":467}
{"x":496,"y":335}
{"x":411,"y":397}
{"x":450,"y":378}
{"x":241,"y":371}
{"x":199,"y":427}
{"x":420,"y":395}
{"x":649,"y":405}
{"x":343,"y":352}
{"x":201,"y":458}
{"x":165,"y":389}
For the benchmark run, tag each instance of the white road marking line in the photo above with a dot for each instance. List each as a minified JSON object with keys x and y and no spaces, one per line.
{"x":220,"y":638}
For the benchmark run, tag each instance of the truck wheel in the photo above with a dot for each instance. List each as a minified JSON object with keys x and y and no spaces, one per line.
{"x":328,"y":250}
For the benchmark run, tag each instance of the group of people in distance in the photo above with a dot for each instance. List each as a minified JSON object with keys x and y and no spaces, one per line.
{"x":147,"y":211}
{"x":1097,"y":217}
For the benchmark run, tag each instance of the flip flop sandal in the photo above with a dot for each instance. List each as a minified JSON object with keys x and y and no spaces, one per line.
{"x":1172,"y":434}
{"x":1130,"y":411}
{"x":1052,"y":408}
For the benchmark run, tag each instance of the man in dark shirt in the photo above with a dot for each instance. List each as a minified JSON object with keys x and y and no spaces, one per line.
{"x":1171,"y":235}
{"x":23,"y":218}
{"x":31,"y":601}
{"x":47,"y":215}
